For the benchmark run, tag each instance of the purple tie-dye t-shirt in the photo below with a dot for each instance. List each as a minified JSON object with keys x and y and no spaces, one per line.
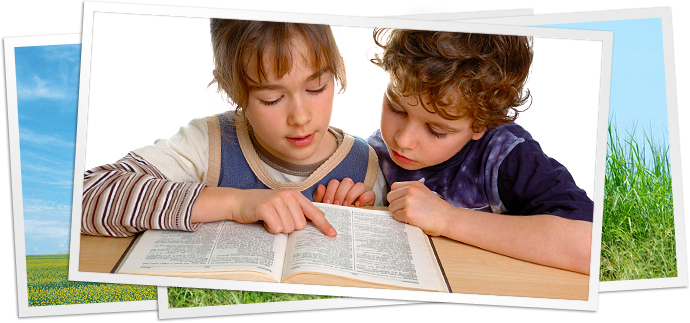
{"x":505,"y":171}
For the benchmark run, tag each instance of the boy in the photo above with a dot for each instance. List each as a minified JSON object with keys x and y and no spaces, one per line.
{"x":457,"y":164}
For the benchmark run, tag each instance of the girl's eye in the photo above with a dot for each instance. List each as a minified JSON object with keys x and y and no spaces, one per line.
{"x":319,"y":90}
{"x":274,"y":102}
{"x":394,"y":110}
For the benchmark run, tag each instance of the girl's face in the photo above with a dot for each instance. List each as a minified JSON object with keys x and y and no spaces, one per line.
{"x":417,"y":138}
{"x":290,"y":115}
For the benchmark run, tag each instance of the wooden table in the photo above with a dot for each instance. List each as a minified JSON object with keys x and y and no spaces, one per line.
{"x":469,"y":270}
{"x":101,"y":254}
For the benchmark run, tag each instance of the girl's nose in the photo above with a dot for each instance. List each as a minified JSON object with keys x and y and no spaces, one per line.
{"x":300,"y":112}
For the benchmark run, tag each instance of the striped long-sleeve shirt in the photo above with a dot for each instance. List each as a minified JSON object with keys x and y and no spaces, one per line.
{"x":155,"y":187}
{"x":131,"y":196}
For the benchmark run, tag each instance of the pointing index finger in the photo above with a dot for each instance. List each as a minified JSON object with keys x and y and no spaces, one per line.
{"x":316,"y":216}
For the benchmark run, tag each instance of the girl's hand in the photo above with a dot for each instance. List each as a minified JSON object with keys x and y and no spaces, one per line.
{"x":345,"y":193}
{"x":415,"y":204}
{"x":281,"y":210}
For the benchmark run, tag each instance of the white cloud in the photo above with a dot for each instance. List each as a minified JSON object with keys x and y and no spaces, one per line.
{"x":64,"y":183}
{"x":47,"y":209}
{"x":60,"y":53}
{"x":46,"y":229}
{"x":39,"y":90}
{"x":60,"y":174}
{"x":43,"y":139}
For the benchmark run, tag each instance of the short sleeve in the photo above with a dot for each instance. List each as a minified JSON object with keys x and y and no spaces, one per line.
{"x":182,"y":157}
{"x":380,"y":189}
{"x":530,"y":183}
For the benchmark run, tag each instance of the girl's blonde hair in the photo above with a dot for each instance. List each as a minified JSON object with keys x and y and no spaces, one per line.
{"x":237,"y":42}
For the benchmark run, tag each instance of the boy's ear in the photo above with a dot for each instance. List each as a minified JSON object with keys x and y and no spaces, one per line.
{"x":479,"y":135}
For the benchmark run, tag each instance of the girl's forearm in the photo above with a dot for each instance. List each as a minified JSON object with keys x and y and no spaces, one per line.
{"x":126,"y":197}
{"x":544,"y":239}
{"x":215,"y":204}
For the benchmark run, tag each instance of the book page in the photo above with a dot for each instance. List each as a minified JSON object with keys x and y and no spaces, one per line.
{"x":370,"y":246}
{"x":216,"y":246}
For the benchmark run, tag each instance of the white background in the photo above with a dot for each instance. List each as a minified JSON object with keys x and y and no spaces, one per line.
{"x":157,"y":69}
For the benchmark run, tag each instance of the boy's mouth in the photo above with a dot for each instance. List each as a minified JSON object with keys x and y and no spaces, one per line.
{"x":301,"y":141}
{"x":400,"y":158}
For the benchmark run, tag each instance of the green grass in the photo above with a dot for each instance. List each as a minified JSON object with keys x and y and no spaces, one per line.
{"x":638,"y":235}
{"x":47,"y":284}
{"x":195,"y":297}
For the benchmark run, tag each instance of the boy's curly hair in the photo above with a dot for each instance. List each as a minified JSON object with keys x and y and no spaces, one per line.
{"x":487,"y":71}
{"x":235,"y":42}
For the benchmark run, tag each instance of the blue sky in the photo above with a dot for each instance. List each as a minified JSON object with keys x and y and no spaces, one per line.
{"x":638,"y":85}
{"x":47,"y":87}
{"x":47,"y":92}
{"x":36,"y":26}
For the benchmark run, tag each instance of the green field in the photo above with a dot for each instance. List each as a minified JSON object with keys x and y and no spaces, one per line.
{"x":179,"y":297}
{"x":638,"y":232}
{"x":47,"y":284}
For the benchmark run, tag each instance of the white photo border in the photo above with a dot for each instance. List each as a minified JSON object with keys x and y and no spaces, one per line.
{"x":90,"y":8}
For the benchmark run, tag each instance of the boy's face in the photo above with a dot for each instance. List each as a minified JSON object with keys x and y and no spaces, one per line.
{"x":417,"y":138}
{"x":290,"y":115}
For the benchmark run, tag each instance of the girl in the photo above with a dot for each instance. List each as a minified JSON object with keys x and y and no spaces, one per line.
{"x":262,"y":162}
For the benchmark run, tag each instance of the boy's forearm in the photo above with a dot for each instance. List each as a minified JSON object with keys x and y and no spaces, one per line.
{"x":544,"y":239}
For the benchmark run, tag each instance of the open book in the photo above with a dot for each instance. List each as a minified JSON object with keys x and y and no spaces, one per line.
{"x":371,"y":250}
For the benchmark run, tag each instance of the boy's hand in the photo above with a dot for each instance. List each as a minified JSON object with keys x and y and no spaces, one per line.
{"x":415,"y":204}
{"x":281,"y":210}
{"x":345,"y":193}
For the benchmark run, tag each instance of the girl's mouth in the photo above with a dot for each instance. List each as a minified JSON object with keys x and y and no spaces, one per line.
{"x":301,"y":141}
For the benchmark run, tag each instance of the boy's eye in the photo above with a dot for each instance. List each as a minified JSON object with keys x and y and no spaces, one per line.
{"x":436,"y":134}
{"x":394,"y":110}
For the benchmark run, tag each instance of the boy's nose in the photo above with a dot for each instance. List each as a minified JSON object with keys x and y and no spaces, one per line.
{"x":405,"y":138}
